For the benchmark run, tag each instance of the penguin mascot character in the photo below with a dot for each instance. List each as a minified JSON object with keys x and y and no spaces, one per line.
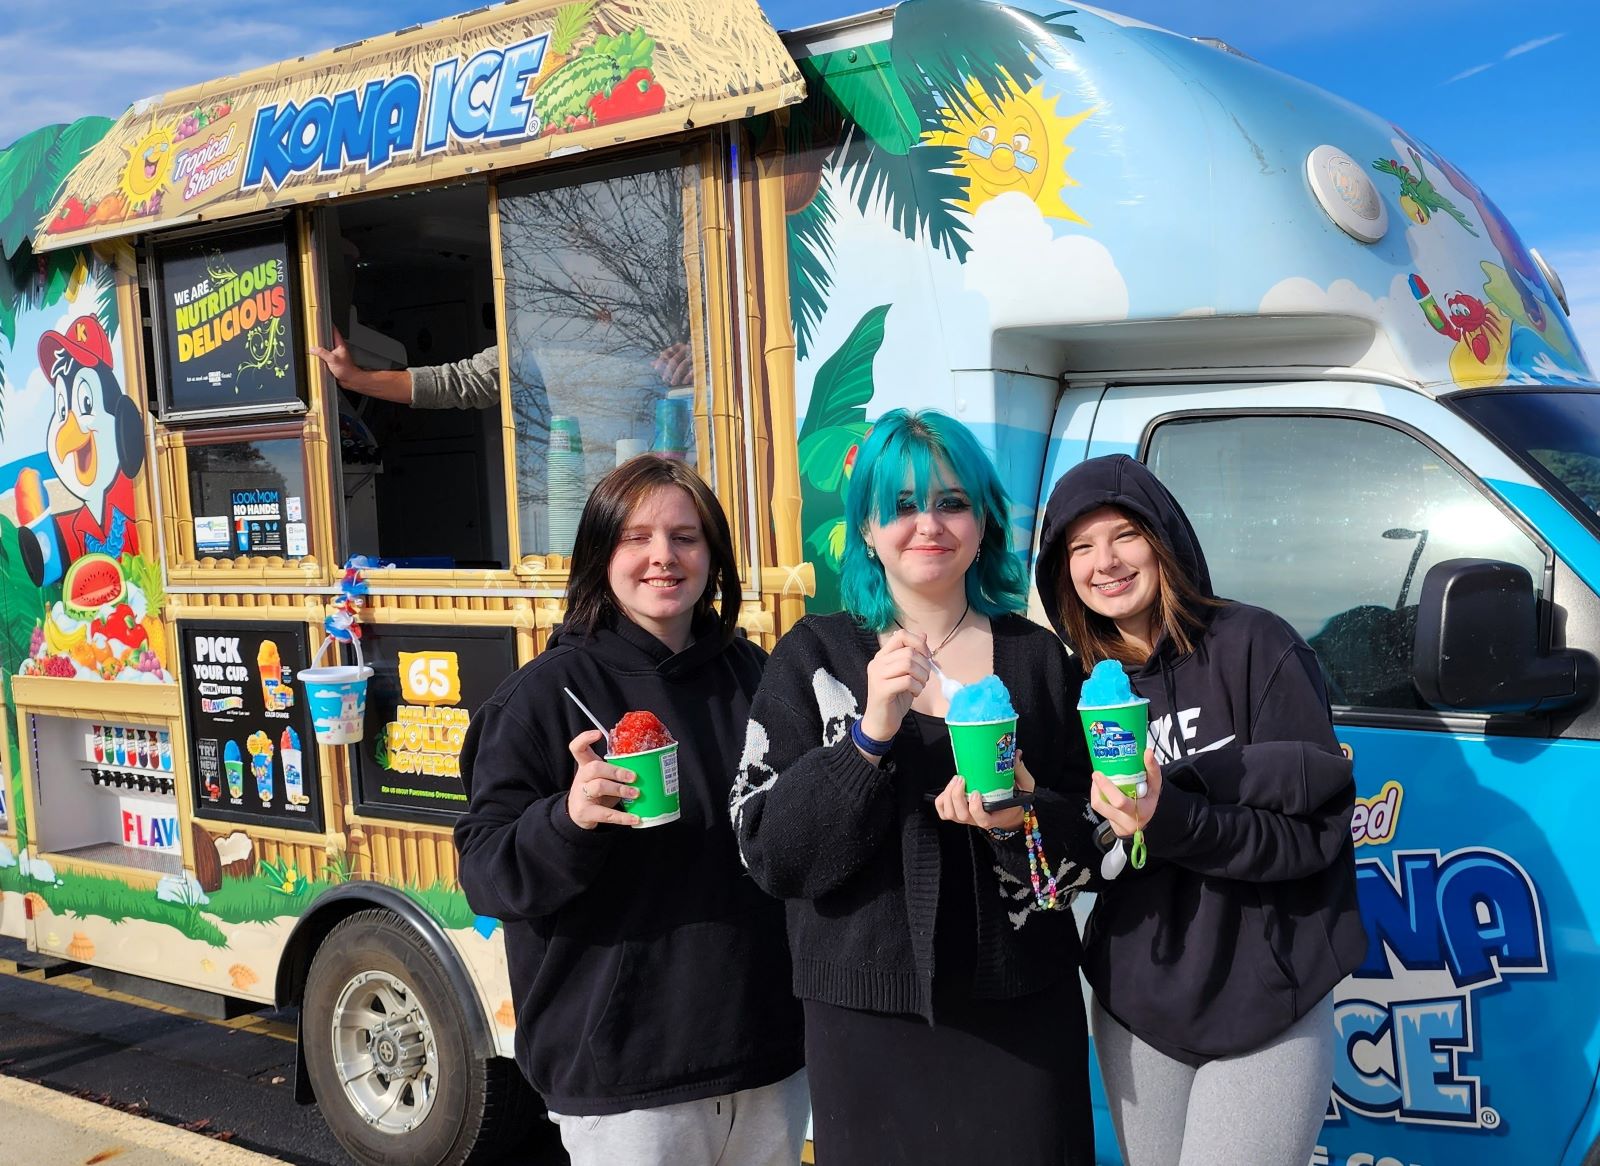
{"x":95,"y":442}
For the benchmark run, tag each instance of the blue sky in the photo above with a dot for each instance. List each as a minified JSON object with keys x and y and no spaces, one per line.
{"x":1507,"y":92}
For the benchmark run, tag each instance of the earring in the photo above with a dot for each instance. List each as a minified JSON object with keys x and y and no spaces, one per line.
{"x":978,"y":556}
{"x":871,"y":554}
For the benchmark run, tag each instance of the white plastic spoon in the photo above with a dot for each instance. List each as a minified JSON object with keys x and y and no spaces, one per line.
{"x":594,"y":720}
{"x":948,"y":686}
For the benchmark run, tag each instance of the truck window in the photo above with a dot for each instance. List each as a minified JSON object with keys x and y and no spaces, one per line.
{"x":1555,"y":433}
{"x":602,"y":282}
{"x":1332,"y":523}
{"x":410,"y":285}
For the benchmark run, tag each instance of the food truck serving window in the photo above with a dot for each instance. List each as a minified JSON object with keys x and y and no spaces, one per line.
{"x":247,"y":493}
{"x":602,"y":282}
{"x":228,"y":312}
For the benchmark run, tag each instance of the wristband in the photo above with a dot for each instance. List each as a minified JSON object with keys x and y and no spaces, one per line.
{"x":1002,"y":835}
{"x":869,"y":744}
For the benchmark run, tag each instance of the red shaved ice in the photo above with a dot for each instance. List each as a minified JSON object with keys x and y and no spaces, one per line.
{"x":639,"y":732}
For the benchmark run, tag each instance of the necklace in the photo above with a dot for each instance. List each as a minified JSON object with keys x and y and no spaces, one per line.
{"x":964,"y":611}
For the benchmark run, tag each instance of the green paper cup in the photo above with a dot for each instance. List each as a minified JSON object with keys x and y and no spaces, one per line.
{"x":1115,"y":734}
{"x":656,"y":778}
{"x":986,"y":756}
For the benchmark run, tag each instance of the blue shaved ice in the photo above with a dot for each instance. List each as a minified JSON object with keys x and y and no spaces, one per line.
{"x":1107,"y":684}
{"x":987,"y":700}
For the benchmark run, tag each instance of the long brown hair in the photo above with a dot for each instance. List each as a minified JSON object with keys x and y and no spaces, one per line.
{"x":1178,"y":613}
{"x":589,"y":599}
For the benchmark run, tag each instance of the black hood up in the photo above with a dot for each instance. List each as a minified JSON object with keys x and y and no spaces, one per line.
{"x":1113,"y":480}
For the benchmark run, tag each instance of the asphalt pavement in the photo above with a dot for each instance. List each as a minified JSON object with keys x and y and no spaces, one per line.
{"x":188,"y":1084}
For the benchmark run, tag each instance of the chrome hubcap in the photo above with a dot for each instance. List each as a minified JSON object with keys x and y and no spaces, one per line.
{"x":383,"y":1050}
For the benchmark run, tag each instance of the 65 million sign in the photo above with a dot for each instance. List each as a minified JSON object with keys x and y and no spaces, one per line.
{"x":427,"y":682}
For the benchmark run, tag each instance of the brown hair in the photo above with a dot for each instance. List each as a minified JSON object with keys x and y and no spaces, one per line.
{"x":589,"y":599}
{"x":1179,"y":604}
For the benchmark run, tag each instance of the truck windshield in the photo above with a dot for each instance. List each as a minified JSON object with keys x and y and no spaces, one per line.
{"x":1555,"y":433}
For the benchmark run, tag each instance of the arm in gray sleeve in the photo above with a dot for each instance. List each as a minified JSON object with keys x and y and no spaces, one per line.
{"x":473,"y":383}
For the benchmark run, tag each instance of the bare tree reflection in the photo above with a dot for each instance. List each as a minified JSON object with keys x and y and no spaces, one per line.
{"x":596,"y":292}
{"x":600,"y":265}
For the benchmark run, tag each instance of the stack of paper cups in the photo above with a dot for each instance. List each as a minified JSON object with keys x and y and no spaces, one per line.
{"x":567,"y":489}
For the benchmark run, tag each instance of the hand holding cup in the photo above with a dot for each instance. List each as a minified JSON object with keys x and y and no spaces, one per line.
{"x":1127,"y":815}
{"x":598,"y":788}
{"x":955,"y":804}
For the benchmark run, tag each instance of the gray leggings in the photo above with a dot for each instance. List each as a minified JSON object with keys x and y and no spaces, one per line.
{"x":1261,"y":1108}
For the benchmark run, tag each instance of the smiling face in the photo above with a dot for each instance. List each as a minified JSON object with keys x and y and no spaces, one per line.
{"x":1114,"y":571}
{"x":146,"y":163}
{"x":661,"y":565}
{"x":1016,"y":144}
{"x":929,"y":544}
{"x":78,"y":426}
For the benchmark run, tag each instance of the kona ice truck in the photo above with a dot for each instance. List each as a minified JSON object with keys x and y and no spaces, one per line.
{"x":682,"y":234}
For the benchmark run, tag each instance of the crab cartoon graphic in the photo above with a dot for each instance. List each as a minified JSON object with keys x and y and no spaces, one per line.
{"x":1481,"y":332}
{"x":96,"y":447}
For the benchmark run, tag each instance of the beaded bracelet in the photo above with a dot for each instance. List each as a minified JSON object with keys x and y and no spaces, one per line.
{"x":869,"y":744}
{"x":1046,"y":895}
{"x":1001,"y":835}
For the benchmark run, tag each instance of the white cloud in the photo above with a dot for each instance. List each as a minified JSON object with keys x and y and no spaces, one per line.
{"x":1472,"y":72}
{"x":61,"y":66}
{"x":1031,"y":277}
{"x":1528,"y":46}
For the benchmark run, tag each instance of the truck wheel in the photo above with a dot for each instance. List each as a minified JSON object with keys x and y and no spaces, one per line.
{"x":388,"y":1054}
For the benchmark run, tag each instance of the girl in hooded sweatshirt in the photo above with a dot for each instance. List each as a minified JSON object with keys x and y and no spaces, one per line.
{"x":651,"y":974}
{"x":1213,"y":967}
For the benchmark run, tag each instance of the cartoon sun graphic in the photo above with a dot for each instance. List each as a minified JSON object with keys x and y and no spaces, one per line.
{"x":1019,"y":144}
{"x":146,"y":165}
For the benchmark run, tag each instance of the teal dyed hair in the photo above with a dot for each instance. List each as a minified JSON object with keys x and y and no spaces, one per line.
{"x":927,"y":445}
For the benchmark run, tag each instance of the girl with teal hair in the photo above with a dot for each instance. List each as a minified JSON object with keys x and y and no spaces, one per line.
{"x":944,"y":1022}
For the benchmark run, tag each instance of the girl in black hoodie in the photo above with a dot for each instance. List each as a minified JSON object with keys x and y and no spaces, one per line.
{"x":1213,"y":967}
{"x":651,"y":974}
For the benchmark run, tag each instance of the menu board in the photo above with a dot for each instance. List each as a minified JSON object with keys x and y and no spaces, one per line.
{"x":426,"y":684}
{"x":255,"y":757}
{"x":230,"y":336}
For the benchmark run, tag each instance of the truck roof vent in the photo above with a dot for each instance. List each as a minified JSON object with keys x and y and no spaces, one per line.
{"x":1217,"y":42}
{"x":1551,"y":278}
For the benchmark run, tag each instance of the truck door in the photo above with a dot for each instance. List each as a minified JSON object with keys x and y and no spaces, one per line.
{"x":1468,"y":1036}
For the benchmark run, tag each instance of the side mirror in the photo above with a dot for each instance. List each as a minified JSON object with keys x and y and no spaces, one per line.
{"x":1477,"y":644}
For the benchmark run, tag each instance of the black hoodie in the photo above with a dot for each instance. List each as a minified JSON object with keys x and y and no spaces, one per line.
{"x":648,"y":968}
{"x":1246,"y":916}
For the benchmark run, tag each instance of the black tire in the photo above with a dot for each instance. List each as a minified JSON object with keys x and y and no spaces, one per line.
{"x":411,"y":1090}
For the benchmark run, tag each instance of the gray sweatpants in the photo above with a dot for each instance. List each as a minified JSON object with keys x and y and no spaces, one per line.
{"x":753,"y":1127}
{"x":1261,"y":1108}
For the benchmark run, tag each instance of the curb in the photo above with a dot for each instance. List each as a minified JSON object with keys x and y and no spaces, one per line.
{"x":62,"y":1119}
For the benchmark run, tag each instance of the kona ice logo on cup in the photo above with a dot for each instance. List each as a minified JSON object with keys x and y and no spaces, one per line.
{"x":1005,"y":753}
{"x":1109,"y":741}
{"x":484,"y":99}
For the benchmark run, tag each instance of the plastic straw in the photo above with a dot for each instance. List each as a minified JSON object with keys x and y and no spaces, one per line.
{"x":594,"y":720}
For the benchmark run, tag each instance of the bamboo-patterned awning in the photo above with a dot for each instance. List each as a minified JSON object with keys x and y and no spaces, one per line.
{"x":498,"y":87}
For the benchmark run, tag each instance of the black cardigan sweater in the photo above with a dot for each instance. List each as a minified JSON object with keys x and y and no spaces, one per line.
{"x":648,"y":968}
{"x":854,"y":847}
